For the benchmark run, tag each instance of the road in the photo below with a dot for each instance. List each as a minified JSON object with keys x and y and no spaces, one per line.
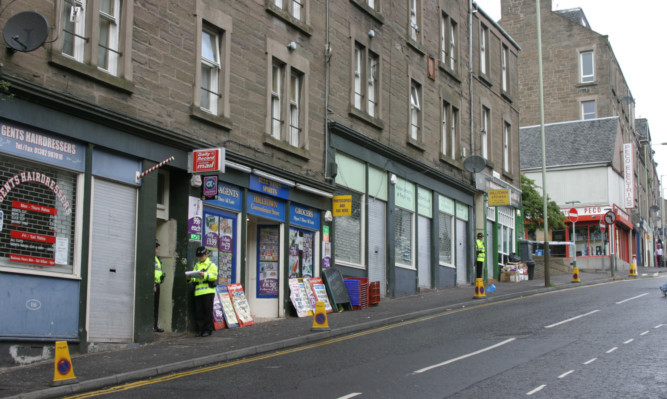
{"x":603,"y":341}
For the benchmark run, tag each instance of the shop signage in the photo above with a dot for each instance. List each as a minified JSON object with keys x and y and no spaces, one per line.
{"x":207,"y":160}
{"x":35,"y":177}
{"x":269,"y":187}
{"x":228,"y":197}
{"x":499,"y":197}
{"x":41,"y":147}
{"x":628,"y":176}
{"x":266,"y":207}
{"x":342,"y":205}
{"x":195,"y":218}
{"x":210,"y":186}
{"x":308,"y":218}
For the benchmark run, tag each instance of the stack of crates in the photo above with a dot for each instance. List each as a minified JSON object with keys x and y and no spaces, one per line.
{"x":357,"y":290}
{"x":374,"y":293}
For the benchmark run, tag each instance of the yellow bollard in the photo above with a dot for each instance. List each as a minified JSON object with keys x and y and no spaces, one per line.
{"x":479,"y":289}
{"x":63,"y":371}
{"x":575,"y":274}
{"x":320,"y":322}
{"x":633,"y":267}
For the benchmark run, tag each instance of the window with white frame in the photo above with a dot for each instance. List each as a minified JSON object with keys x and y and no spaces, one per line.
{"x":485,"y":132}
{"x":293,"y":7}
{"x":483,"y":50}
{"x":446,"y":239}
{"x":163,"y":194}
{"x":587,"y":66}
{"x":349,"y":231}
{"x":210,"y":70}
{"x":94,"y":30}
{"x":365,"y":85}
{"x":448,"y":130}
{"x":506,"y":147}
{"x":404,"y":223}
{"x":371,"y":4}
{"x":588,"y":110}
{"x":295,"y":101}
{"x":277,"y":77}
{"x":415,"y":16}
{"x":505,"y":76}
{"x":415,"y":110}
{"x":448,"y":39}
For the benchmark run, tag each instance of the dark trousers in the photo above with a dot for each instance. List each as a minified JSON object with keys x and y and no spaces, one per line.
{"x":204,"y":312}
{"x":479,"y":269}
{"x":156,"y":305}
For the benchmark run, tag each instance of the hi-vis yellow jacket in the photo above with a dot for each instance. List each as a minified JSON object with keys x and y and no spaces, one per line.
{"x":210,"y":270}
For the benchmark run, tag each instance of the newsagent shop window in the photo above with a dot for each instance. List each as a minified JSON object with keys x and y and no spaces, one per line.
{"x":37,"y":217}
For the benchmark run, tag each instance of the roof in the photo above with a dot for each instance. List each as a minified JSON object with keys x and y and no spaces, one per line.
{"x":575,"y":15}
{"x":569,"y":143}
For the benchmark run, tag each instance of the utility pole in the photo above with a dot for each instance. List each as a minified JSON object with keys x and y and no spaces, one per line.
{"x":547,"y":277}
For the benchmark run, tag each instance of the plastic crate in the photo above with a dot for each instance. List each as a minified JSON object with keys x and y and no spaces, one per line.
{"x":357,"y":290}
{"x":374,"y":293}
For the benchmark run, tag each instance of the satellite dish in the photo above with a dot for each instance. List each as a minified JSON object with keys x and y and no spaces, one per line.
{"x":26,"y":31}
{"x":474,"y":163}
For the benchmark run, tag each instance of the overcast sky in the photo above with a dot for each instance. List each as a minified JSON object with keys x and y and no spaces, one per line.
{"x":636,"y":31}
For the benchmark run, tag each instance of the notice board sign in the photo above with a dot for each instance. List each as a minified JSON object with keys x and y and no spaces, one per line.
{"x":320,"y":292}
{"x":240,"y":304}
{"x":336,"y":286}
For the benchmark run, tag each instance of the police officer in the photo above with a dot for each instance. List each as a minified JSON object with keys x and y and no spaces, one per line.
{"x":480,"y":250}
{"x":205,"y":283}
{"x":158,"y":278}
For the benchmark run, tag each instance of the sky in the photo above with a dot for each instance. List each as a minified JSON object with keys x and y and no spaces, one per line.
{"x":635,"y":32}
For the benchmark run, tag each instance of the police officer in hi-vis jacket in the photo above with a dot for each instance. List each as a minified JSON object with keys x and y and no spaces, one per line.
{"x":480,"y":250}
{"x":205,"y":282}
{"x":158,"y":279}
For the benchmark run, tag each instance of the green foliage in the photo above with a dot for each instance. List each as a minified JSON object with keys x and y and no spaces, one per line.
{"x":533,"y":207}
{"x":4,"y":88}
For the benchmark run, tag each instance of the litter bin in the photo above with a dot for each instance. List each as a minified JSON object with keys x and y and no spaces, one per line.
{"x":531,"y":269}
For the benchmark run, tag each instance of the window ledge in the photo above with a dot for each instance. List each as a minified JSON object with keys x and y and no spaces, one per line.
{"x":508,"y":175}
{"x":416,"y":46}
{"x":450,"y":161}
{"x":218,"y":121}
{"x":363,"y":116}
{"x":365,"y":8}
{"x":283,"y":146}
{"x":445,"y":68}
{"x":285,"y":16}
{"x":485,"y":79}
{"x":416,"y":144}
{"x":69,"y":64}
{"x":406,"y":267}
{"x":507,"y":96}
{"x":588,"y":84}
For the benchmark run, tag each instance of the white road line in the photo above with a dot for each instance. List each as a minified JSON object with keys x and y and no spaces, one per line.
{"x":590,"y":361}
{"x":659,"y":325}
{"x":538,"y":389}
{"x":644,"y":333}
{"x":566,"y":374}
{"x":628,"y":341}
{"x":568,"y":320}
{"x":612,"y":349}
{"x":629,"y":299}
{"x":350,"y":395}
{"x":507,"y":341}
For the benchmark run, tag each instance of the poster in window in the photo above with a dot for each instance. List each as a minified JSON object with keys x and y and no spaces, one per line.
{"x":267,"y":267}
{"x":225,"y":250}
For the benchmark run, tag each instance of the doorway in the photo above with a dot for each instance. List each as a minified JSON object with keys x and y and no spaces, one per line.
{"x":265,"y":267}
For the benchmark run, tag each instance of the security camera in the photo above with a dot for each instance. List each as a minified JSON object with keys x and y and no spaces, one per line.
{"x":291,"y":46}
{"x":371,"y":33}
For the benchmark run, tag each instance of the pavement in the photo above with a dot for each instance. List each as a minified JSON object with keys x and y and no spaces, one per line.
{"x":174,"y":352}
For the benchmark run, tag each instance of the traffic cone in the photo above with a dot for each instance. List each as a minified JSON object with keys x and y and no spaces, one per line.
{"x":575,"y":274}
{"x":320,"y":322}
{"x":633,"y":267}
{"x":63,"y":371}
{"x":479,"y":289}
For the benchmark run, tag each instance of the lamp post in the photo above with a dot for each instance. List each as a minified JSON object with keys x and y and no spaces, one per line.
{"x":547,"y":276}
{"x":574,"y":234}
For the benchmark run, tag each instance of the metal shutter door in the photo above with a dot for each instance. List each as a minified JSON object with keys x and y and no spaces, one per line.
{"x":424,"y":248}
{"x":377,"y":231}
{"x":111,"y":279}
{"x":461,"y":252}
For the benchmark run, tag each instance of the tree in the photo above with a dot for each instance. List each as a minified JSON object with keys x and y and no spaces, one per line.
{"x":533,"y":207}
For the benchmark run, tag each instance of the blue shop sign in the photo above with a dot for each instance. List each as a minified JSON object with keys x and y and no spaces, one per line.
{"x":266,"y":207}
{"x":268,"y":187}
{"x":42,"y":147}
{"x":228,"y":197}
{"x":305,"y":217}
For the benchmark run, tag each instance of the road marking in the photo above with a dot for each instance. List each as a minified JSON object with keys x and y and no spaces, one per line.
{"x":590,"y":361}
{"x":644,"y":333}
{"x":569,"y":320}
{"x":350,"y":395}
{"x":488,"y":348}
{"x":566,"y":374}
{"x":659,"y":325}
{"x":628,"y":341}
{"x":630,"y":299}
{"x":538,"y":389}
{"x":612,"y":349}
